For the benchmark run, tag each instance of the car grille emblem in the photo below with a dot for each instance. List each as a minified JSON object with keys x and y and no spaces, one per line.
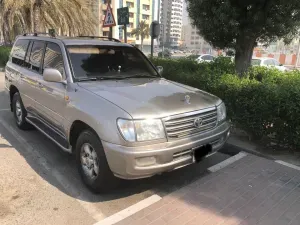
{"x":198,"y":122}
{"x":187,"y":99}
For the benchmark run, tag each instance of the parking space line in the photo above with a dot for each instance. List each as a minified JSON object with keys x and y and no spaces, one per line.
{"x":288,"y":164}
{"x":129,"y":211}
{"x":227,"y":162}
{"x":42,"y":161}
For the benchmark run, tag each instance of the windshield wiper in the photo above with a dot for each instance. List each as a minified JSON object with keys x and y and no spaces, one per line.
{"x":142,"y":76}
{"x":87,"y":79}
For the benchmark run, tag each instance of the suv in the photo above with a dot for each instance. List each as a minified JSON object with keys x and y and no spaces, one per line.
{"x":105,"y":102}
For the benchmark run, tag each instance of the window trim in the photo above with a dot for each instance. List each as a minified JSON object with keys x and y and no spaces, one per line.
{"x":42,"y":60}
{"x":61,"y":50}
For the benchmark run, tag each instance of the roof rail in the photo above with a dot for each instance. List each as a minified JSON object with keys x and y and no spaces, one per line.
{"x":36,"y":34}
{"x":100,"y":37}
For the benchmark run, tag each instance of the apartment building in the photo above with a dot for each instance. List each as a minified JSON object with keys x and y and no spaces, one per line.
{"x":192,"y":40}
{"x":138,"y":10}
{"x":171,"y":20}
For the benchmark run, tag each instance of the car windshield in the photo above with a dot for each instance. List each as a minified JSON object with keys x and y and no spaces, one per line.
{"x":255,"y":62}
{"x":109,"y":62}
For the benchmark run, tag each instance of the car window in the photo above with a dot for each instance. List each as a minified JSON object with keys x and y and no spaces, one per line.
{"x":205,"y":57}
{"x":53,"y":58}
{"x":105,"y":61}
{"x":19,"y":52}
{"x":269,"y":62}
{"x":255,"y":62}
{"x":210,"y":57}
{"x":276,"y":63}
{"x":36,"y":55}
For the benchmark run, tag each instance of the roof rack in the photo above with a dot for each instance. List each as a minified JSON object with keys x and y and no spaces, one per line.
{"x":100,"y":37}
{"x":36,"y":34}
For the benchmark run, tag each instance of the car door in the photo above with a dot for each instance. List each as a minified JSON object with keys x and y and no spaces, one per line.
{"x":269,"y":63}
{"x":26,"y":75}
{"x":51,"y":97}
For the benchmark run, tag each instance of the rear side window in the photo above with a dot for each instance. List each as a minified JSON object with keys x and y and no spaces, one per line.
{"x":53,"y":58}
{"x":36,"y":55}
{"x":19,"y":52}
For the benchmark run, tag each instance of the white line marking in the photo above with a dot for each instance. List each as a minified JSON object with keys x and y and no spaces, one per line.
{"x":227,"y":162}
{"x":288,"y":164}
{"x":4,"y":110}
{"x":129,"y":211}
{"x":62,"y":180}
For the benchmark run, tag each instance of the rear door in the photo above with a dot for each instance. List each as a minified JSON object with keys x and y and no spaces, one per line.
{"x":51,"y":96}
{"x":21,"y":73}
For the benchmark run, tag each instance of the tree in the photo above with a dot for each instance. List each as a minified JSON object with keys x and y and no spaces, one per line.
{"x":70,"y":17}
{"x":241,"y":24}
{"x":142,"y":30}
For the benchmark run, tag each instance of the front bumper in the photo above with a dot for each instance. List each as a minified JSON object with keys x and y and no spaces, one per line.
{"x":146,"y":161}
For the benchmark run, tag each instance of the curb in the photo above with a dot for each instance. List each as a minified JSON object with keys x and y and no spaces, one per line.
{"x":237,"y":147}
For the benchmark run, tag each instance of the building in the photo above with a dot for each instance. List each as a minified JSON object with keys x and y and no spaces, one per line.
{"x":193,"y":41}
{"x":171,"y":20}
{"x":138,"y":10}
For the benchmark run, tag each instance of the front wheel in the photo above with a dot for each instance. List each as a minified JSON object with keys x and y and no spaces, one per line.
{"x":92,"y":164}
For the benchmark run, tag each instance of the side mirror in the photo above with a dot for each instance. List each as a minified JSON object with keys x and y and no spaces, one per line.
{"x":160,"y":69}
{"x":52,"y":75}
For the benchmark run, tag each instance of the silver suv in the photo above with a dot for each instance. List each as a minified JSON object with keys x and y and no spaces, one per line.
{"x":104,"y":101}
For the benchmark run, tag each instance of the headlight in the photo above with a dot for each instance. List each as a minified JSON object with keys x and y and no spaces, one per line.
{"x":141,"y":130}
{"x":221,"y":112}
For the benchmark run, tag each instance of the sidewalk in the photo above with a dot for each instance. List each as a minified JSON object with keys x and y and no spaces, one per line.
{"x":253,"y":190}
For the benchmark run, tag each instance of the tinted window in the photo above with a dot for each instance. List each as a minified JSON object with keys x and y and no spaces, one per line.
{"x":255,"y":62}
{"x":276,"y":62}
{"x":269,"y":62}
{"x":36,"y":55}
{"x":19,"y":52}
{"x":53,"y":58}
{"x":108,"y":61}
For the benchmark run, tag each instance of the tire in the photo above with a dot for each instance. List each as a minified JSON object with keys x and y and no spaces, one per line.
{"x":94,"y":171}
{"x":20,"y":112}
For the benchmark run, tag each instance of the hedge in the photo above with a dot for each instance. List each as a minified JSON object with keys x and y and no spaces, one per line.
{"x":264,"y":103}
{"x":4,"y":54}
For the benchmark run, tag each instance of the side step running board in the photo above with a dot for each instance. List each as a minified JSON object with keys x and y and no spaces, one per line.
{"x":52,"y":135}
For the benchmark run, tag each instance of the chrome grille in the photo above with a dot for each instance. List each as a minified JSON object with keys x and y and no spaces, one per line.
{"x":183,"y":125}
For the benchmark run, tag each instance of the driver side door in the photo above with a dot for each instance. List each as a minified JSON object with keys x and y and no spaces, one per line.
{"x":51,"y":101}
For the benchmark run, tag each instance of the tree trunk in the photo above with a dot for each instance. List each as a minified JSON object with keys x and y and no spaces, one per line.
{"x":36,"y":15}
{"x":6,"y":29}
{"x":244,"y":51}
{"x":142,"y":43}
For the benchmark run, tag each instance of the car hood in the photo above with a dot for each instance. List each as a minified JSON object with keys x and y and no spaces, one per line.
{"x":151,"y":98}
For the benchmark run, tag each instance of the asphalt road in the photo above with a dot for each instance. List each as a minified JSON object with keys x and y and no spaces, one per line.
{"x":40,"y":185}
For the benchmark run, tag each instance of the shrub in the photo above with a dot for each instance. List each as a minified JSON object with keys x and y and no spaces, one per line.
{"x":265,"y":103}
{"x":4,"y":55}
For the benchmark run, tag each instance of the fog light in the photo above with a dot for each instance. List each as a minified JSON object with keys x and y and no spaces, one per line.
{"x":146,"y":161}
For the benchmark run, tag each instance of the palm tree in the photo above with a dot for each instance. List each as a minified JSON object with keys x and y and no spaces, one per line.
{"x":142,"y":30}
{"x":69,"y":17}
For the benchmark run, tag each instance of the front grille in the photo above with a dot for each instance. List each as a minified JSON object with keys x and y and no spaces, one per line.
{"x":180,"y":126}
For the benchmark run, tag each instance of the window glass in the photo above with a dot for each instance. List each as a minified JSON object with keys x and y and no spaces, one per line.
{"x":205,"y":57}
{"x":255,"y":62}
{"x":53,"y":58}
{"x":276,"y":63}
{"x":36,"y":55}
{"x":19,"y":52}
{"x":269,"y":62}
{"x":108,"y":61}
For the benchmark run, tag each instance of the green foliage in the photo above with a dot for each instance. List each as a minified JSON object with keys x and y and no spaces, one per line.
{"x":264,"y":103}
{"x":4,"y":55}
{"x":240,"y":24}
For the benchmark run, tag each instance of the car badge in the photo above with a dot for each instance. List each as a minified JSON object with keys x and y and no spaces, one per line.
{"x":187,"y":99}
{"x":198,"y":122}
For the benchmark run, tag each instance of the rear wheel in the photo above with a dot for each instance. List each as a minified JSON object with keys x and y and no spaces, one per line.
{"x":20,"y":112}
{"x":92,"y":164}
